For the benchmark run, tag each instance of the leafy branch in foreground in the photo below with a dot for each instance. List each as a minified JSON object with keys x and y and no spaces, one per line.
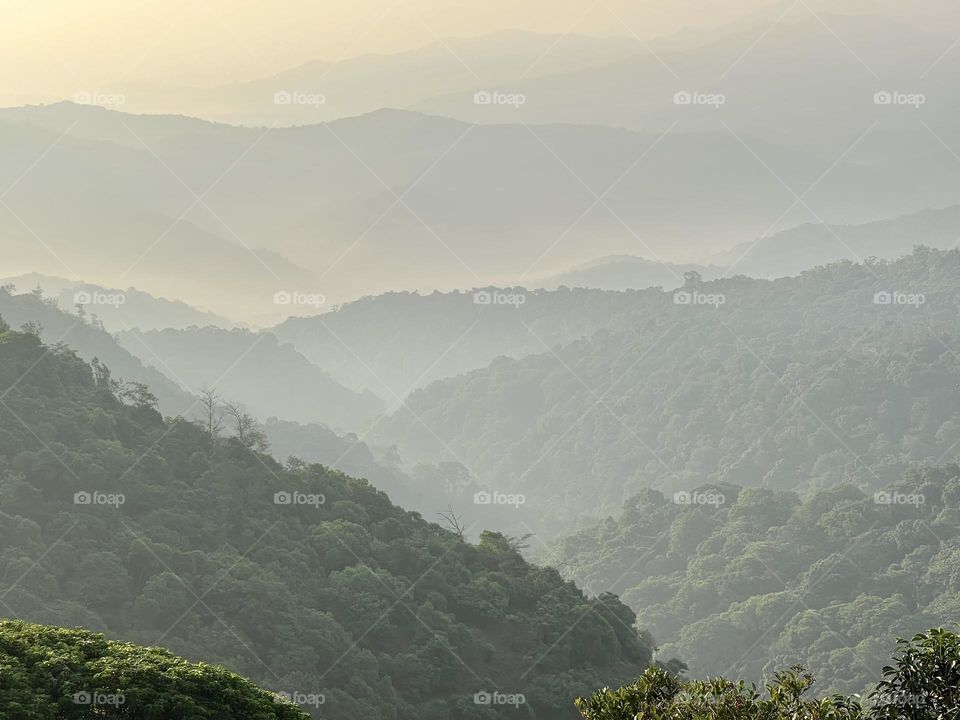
{"x":922,"y":684}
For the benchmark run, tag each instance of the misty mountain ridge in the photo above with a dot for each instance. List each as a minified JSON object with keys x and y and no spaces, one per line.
{"x":689,"y":387}
{"x":118,"y":309}
{"x":784,"y":254}
{"x":480,"y":204}
{"x":806,"y":77}
{"x":323,"y":90}
{"x":481,"y":373}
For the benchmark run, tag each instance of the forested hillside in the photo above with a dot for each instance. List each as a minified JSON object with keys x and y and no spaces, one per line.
{"x":394,"y":343}
{"x":743,"y":582}
{"x":165,"y":532}
{"x":847,"y":373}
{"x":90,"y":340}
{"x":428,"y":489}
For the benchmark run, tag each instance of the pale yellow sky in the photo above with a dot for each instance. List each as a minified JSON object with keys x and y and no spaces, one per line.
{"x":51,"y":49}
{"x":55,"y":47}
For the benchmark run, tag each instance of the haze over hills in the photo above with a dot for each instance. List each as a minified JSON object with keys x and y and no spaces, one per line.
{"x":112,"y":214}
{"x":792,"y":251}
{"x":663,"y":295}
{"x":394,"y":343}
{"x":117,"y":309}
{"x":625,"y":272}
{"x":269,"y":378}
{"x":397,"y":342}
{"x":848,"y":375}
{"x":468,"y":205}
{"x":783,"y":254}
{"x":806,"y":79}
{"x":769,"y":64}
{"x":320,"y":91}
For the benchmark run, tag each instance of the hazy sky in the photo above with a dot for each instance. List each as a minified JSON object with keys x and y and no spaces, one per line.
{"x":58,"y":46}
{"x":55,"y":48}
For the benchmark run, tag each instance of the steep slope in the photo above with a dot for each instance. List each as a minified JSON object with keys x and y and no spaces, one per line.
{"x":90,"y":341}
{"x":846,"y":373}
{"x":269,"y":377}
{"x":301,"y":578}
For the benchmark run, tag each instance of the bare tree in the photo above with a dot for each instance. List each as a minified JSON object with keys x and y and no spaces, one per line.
{"x":212,"y":413}
{"x":454,"y":522}
{"x":246,"y":427}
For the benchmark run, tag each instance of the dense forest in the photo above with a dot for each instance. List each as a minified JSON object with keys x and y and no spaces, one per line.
{"x":750,"y":580}
{"x":847,"y":373}
{"x":58,"y":674}
{"x":174,"y":533}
